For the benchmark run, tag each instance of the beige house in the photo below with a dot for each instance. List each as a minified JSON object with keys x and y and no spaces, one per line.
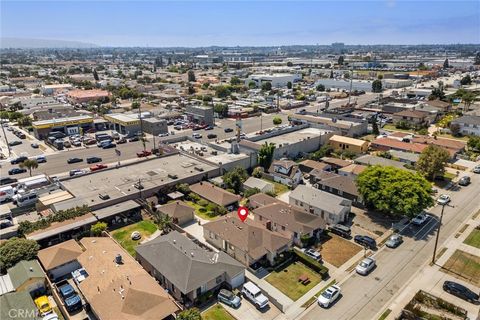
{"x":215,"y":194}
{"x":341,"y":143}
{"x":179,"y":211}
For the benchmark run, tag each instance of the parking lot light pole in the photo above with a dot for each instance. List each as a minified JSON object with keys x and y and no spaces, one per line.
{"x":438,"y":234}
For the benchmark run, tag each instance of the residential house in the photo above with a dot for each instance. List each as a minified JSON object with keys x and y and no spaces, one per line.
{"x":441,"y":106}
{"x":262,"y":185}
{"x":18,"y":305}
{"x":469,"y":124}
{"x":308,"y":165}
{"x":216,"y":195}
{"x":260,"y":199}
{"x":352,"y":170}
{"x":369,"y":160}
{"x":414,"y":118}
{"x":386,"y":144}
{"x":61,"y":259}
{"x":248,"y":242}
{"x":28,"y":276}
{"x":333,"y":209}
{"x":406,"y":157}
{"x":285,"y":172}
{"x":340,"y":185}
{"x":290,"y":221}
{"x":179,"y":211}
{"x":186,"y":269}
{"x":341,"y":143}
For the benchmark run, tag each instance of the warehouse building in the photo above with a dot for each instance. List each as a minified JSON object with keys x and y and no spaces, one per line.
{"x":68,"y":125}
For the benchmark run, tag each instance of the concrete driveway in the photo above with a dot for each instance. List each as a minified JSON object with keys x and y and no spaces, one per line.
{"x":247,"y":311}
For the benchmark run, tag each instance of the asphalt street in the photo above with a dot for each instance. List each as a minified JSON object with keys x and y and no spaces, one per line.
{"x":365,"y":297}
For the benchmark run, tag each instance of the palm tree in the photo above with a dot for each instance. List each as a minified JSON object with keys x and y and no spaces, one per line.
{"x":29,"y":164}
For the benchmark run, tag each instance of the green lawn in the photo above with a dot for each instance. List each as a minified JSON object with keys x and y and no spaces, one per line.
{"x":286,"y":280}
{"x":217,"y":312}
{"x":122,"y":235}
{"x":391,"y":127}
{"x":200,"y":211}
{"x":473,"y":238}
{"x":278,"y":188}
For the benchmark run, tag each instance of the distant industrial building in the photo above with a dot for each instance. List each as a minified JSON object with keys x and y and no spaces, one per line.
{"x":200,"y":114}
{"x":277,"y":80}
{"x":129,"y":123}
{"x":85,"y":96}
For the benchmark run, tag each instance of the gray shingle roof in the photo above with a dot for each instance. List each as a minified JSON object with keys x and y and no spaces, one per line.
{"x":467,"y":119}
{"x":320,"y":199}
{"x":25,"y":270}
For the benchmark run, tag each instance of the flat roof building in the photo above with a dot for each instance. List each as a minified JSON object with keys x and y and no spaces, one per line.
{"x":67,"y":125}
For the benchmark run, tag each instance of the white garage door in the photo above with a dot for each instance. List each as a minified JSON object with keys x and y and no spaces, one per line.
{"x":238,"y":280}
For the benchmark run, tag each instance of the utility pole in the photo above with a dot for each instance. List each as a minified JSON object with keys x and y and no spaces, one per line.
{"x":141,"y":125}
{"x":438,"y":234}
{"x":351,"y":84}
{"x":3,"y":129}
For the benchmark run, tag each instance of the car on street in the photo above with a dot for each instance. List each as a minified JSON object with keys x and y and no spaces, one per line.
{"x":420,"y":219}
{"x":329,"y":296}
{"x":144,"y":153}
{"x":211,"y":136}
{"x":14,"y":143}
{"x":34,"y":145}
{"x":94,"y":159}
{"x":97,"y":167}
{"x":227,"y":130}
{"x":314,"y":254}
{"x":122,"y":140}
{"x":227,"y":297}
{"x":76,"y":172}
{"x":460,"y":291}
{"x":196,"y":135}
{"x":476,"y":169}
{"x":443,"y":199}
{"x":108,"y":145}
{"x":464,"y":181}
{"x":133,"y":139}
{"x":18,"y":160}
{"x":209,"y":128}
{"x":394,"y":241}
{"x":165,"y":134}
{"x":74,"y":160}
{"x":76,"y":143}
{"x":255,"y":295}
{"x":7,"y":180}
{"x":16,"y":171}
{"x":365,"y":241}
{"x":365,"y":266}
{"x":41,"y":159}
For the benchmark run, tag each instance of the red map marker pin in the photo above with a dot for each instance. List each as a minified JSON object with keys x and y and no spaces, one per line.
{"x":242,"y":213}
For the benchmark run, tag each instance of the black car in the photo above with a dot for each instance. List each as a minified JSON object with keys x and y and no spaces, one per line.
{"x":209,"y":128}
{"x":228,"y":130}
{"x":14,"y":143}
{"x":7,"y":180}
{"x":460,"y":291}
{"x":94,"y":159}
{"x":133,"y":139}
{"x":365,"y":241}
{"x":18,"y":160}
{"x":341,"y":230}
{"x":74,"y":160}
{"x":211,"y":136}
{"x":109,"y":145}
{"x":16,"y":171}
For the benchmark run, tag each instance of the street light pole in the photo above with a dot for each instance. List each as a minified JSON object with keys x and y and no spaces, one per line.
{"x":438,"y":234}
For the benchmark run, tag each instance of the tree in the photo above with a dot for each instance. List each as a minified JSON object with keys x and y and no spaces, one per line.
{"x":235,"y":178}
{"x":265,"y":155}
{"x":377,"y":86}
{"x":394,"y":191}
{"x":432,"y":161}
{"x":277,"y":121}
{"x":252,"y":85}
{"x":437,"y":93}
{"x":324,"y":151}
{"x":320,"y":88}
{"x":15,"y":250}
{"x":289,"y":64}
{"x":477,"y":58}
{"x":221,"y":109}
{"x":29,"y":164}
{"x":190,"y":314}
{"x":135,"y":105}
{"x":473,"y":143}
{"x":36,"y":91}
{"x":191,"y":76}
{"x":98,"y":228}
{"x":289,"y":85}
{"x":267,"y":86}
{"x":164,"y":222}
{"x":250,"y":192}
{"x":467,"y":100}
{"x":331,"y":74}
{"x":235,"y":81}
{"x":222,"y":91}
{"x":257,"y":172}
{"x":455,"y":129}
{"x":466,"y":80}
{"x":445,"y":64}
{"x":341,"y":60}
{"x":375,"y":129}
{"x":95,"y":75}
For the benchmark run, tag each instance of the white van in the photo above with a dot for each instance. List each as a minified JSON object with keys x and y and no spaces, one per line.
{"x":6,"y":194}
{"x":255,"y":295}
{"x":26,"y":199}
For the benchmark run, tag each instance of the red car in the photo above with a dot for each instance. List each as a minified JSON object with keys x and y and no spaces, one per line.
{"x":144,"y":153}
{"x":99,"y":166}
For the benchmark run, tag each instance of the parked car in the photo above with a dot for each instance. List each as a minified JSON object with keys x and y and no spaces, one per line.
{"x":108,"y":145}
{"x":330,"y":295}
{"x":443,"y":199}
{"x":70,"y":297}
{"x":50,"y":316}
{"x":76,"y":143}
{"x":16,"y":171}
{"x":365,"y":266}
{"x":341,"y":230}
{"x":255,"y":295}
{"x":394,"y":241}
{"x":18,"y":160}
{"x":460,"y":291}
{"x":420,"y":219}
{"x":133,"y":139}
{"x":43,"y":305}
{"x":34,"y":145}
{"x":209,"y":128}
{"x":41,"y":159}
{"x":97,"y":167}
{"x":165,"y":134}
{"x":76,"y":172}
{"x":211,"y":136}
{"x":314,"y":254}
{"x":227,"y":130}
{"x":227,"y":297}
{"x":196,"y":135}
{"x":74,"y":160}
{"x":7,"y":180}
{"x":122,"y":140}
{"x":365,"y":241}
{"x":144,"y":153}
{"x":14,"y":143}
{"x":476,"y":169}
{"x":21,"y":135}
{"x":94,"y":159}
{"x":464,"y":181}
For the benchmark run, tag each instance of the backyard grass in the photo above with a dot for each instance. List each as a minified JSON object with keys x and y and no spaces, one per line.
{"x":464,"y":265}
{"x":473,"y":238}
{"x":337,"y":250}
{"x":200,"y":211}
{"x":217,"y":312}
{"x":278,"y":188}
{"x":123,"y":235}
{"x":449,"y":136}
{"x":391,"y":127}
{"x":286,"y":280}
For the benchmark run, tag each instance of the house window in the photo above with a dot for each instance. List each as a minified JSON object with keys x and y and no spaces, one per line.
{"x":296,"y":202}
{"x":232,"y":247}
{"x":340,"y":192}
{"x":204,"y":288}
{"x":260,"y":218}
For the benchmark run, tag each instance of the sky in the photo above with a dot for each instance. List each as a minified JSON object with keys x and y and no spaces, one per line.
{"x":243,"y":23}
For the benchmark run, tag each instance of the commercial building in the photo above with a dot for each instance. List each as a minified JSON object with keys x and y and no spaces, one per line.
{"x":200,"y":114}
{"x":337,"y":124}
{"x":277,"y":79}
{"x":342,"y":84}
{"x":51,"y":89}
{"x":86,"y":96}
{"x":67,"y":125}
{"x":341,"y":143}
{"x":129,"y":123}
